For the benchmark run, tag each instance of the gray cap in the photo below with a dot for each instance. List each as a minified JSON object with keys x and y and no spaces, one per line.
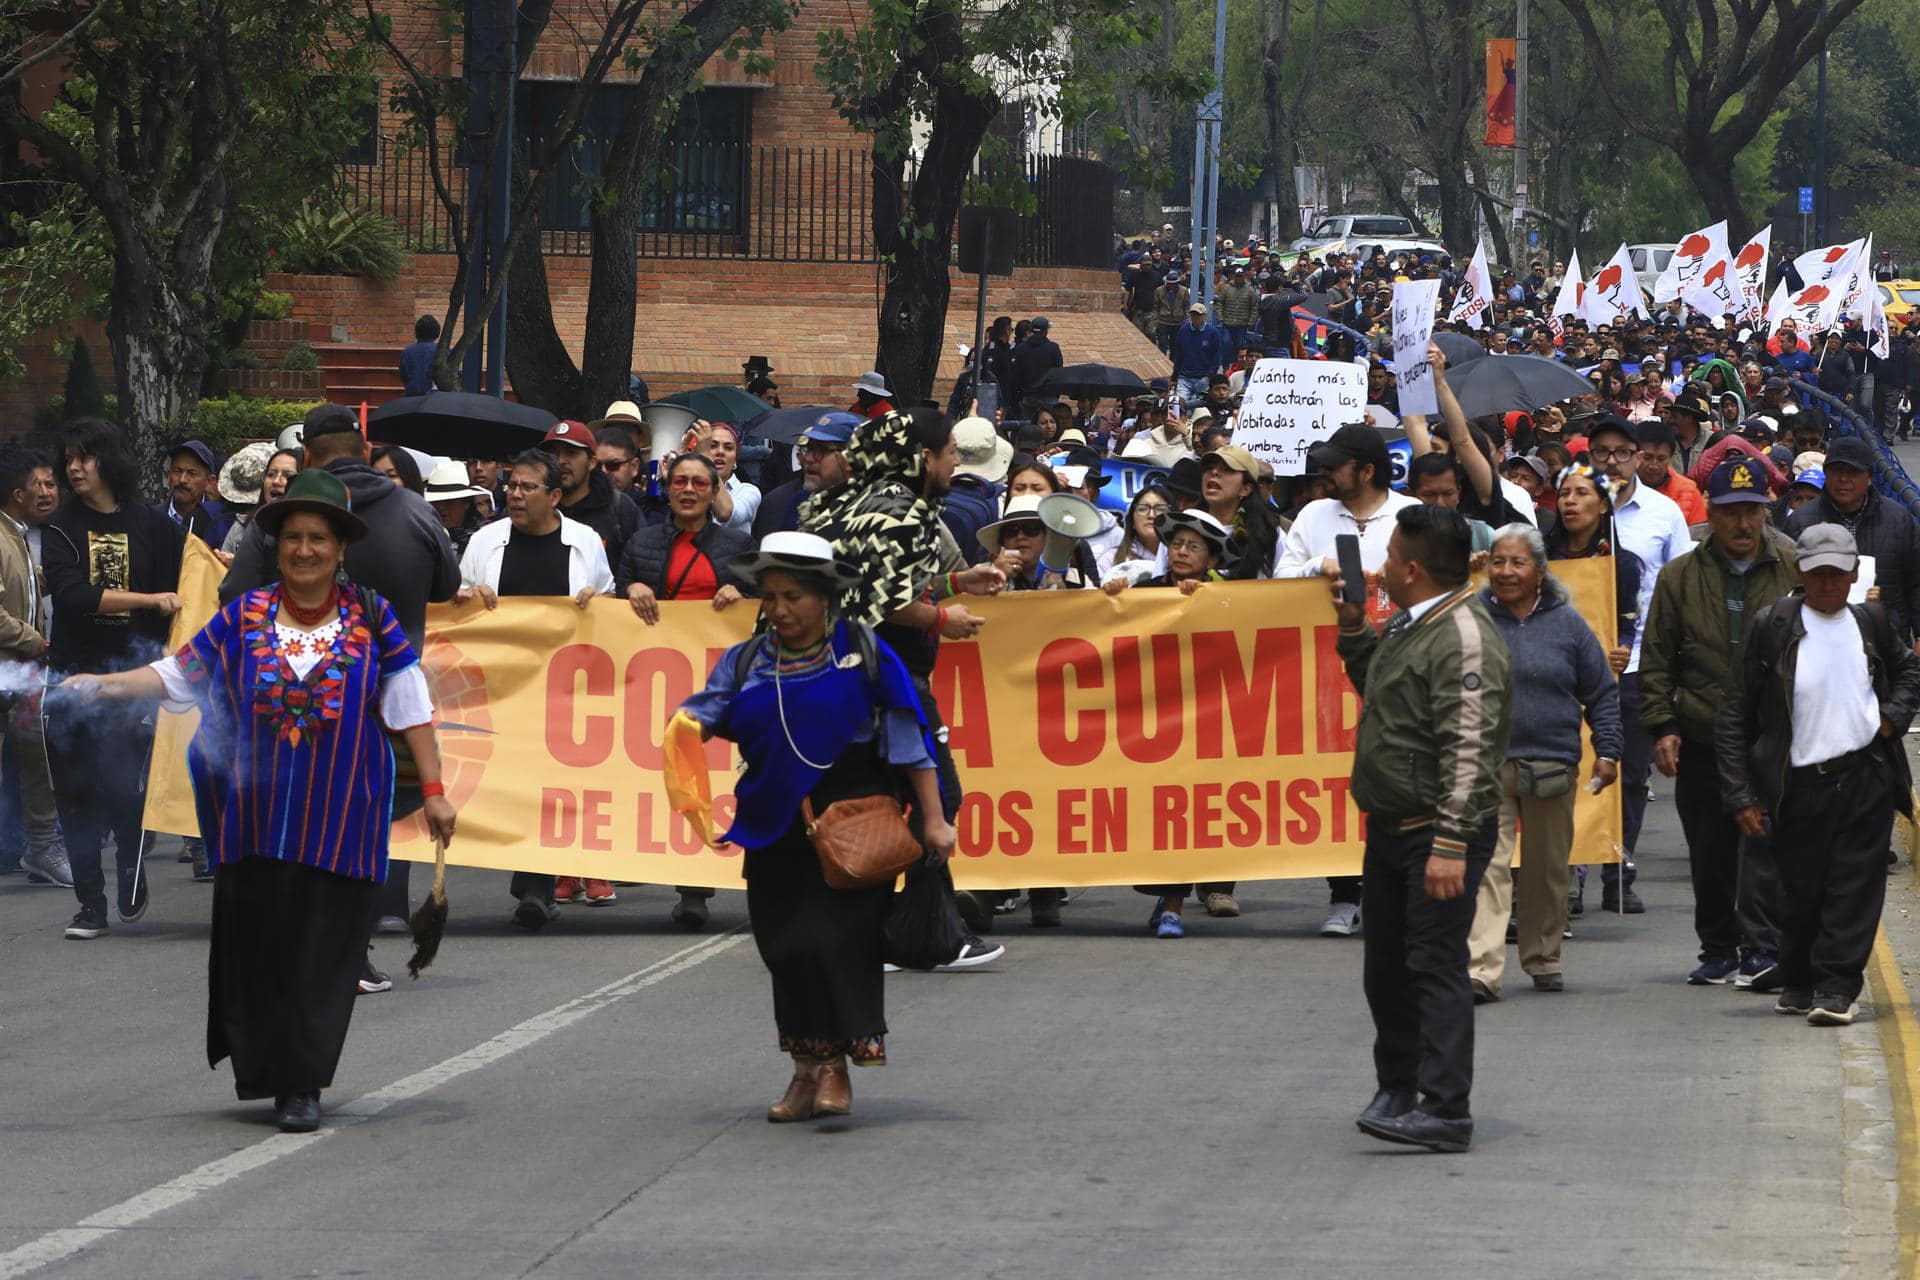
{"x":1042,"y":323}
{"x":1828,"y":546}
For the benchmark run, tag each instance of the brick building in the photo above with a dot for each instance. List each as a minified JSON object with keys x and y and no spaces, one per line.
{"x":755,"y":240}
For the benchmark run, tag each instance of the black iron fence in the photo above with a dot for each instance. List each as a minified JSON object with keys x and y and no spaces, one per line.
{"x":740,"y":200}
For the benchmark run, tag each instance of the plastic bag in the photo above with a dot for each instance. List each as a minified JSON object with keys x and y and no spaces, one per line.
{"x":923,"y":929}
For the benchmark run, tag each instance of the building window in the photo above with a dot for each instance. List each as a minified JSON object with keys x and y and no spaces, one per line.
{"x":699,"y":185}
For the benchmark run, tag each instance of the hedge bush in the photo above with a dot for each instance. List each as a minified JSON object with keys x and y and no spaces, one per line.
{"x":226,"y":425}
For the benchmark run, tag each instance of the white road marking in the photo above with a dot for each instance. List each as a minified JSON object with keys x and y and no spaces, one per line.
{"x":56,"y":1246}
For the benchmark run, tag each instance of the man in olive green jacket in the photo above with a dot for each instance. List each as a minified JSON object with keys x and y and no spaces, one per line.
{"x":1435,"y":701}
{"x":1687,"y":656}
{"x":26,"y":487}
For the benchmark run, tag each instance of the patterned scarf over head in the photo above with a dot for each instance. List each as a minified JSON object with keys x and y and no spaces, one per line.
{"x":878,"y":521}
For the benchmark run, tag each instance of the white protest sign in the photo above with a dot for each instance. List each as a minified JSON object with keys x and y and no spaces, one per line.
{"x":1289,"y":405}
{"x":1413,"y":305}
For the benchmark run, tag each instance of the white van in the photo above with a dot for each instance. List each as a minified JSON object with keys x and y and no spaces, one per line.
{"x":1649,"y":260}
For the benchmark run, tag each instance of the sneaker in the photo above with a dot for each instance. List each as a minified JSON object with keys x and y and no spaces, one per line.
{"x":202,"y":869}
{"x":600,"y":894}
{"x":568,"y":889}
{"x":1577,"y":901}
{"x":1794,"y":1002}
{"x":535,"y":913}
{"x":189,"y":847}
{"x":1831,"y":1009}
{"x":372,"y":981}
{"x":1223,"y":905}
{"x":393,"y":926}
{"x":1714,"y":971}
{"x":88,"y":924}
{"x":1626,"y":902}
{"x":133,"y":891}
{"x":1010,"y":904}
{"x":973,"y":952}
{"x":1167,"y":925}
{"x":48,"y":866}
{"x":1343,"y":920}
{"x":1758,"y":972}
{"x":890,"y":967}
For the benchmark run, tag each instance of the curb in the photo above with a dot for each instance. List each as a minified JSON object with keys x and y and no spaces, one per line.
{"x":1900,"y":1047}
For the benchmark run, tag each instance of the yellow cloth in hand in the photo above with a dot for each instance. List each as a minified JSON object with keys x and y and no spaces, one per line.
{"x":688,"y":789}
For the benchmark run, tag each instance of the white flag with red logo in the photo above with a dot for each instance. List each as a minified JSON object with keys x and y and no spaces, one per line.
{"x":1716,"y":293}
{"x":1826,"y":277}
{"x":1474,"y":299}
{"x":1880,"y":341}
{"x":1691,"y":260}
{"x":1750,"y":267}
{"x":1572,"y":287}
{"x":1613,"y":293}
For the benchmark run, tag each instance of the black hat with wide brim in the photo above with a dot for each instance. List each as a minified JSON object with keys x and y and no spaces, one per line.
{"x":321,"y":492}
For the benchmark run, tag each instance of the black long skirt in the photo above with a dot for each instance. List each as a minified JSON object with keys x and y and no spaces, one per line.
{"x":821,"y":947}
{"x":289,"y":941}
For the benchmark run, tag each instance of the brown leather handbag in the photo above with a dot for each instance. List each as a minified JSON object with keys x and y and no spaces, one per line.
{"x":863,"y":842}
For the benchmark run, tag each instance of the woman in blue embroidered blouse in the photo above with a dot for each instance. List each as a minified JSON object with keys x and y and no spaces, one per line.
{"x":299,"y":684}
{"x":821,"y":710}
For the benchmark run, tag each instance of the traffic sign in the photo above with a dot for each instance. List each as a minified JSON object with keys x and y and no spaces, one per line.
{"x":1806,"y":199}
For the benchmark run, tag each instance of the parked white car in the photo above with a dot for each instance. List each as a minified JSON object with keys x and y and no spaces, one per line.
{"x":1356,"y":226}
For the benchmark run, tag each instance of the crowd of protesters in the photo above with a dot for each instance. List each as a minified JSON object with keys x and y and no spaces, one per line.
{"x":1737,"y":508}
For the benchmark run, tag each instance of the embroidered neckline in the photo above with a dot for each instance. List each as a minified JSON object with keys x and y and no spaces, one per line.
{"x":299,"y":707}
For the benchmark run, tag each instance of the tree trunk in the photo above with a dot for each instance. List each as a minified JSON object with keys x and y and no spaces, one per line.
{"x":1711,"y":169}
{"x":538,"y":361}
{"x":159,"y":353}
{"x":1276,"y":20}
{"x":913,"y":306}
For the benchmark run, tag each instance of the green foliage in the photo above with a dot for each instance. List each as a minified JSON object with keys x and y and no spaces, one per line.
{"x":324,"y":240}
{"x":226,"y":424}
{"x":84,"y":398}
{"x":50,"y":415}
{"x":54,"y":268}
{"x":300,"y":355}
{"x":272,"y":304}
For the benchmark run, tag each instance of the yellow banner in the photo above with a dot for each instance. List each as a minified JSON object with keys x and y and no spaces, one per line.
{"x":1147,"y":738}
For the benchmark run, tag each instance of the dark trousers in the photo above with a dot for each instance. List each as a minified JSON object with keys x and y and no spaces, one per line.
{"x":1416,"y":967}
{"x":1830,"y":845}
{"x":1636,"y":765}
{"x":1735,"y":887}
{"x":98,"y":756}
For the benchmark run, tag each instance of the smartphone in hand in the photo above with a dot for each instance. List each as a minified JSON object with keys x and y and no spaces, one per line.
{"x":1353,"y":584}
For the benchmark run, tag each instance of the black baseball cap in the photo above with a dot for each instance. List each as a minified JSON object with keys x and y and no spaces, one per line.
{"x":1355,"y":442}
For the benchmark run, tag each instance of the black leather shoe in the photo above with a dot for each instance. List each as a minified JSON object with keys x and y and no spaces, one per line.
{"x":1418,"y":1129}
{"x":1386,"y":1105}
{"x":300,"y":1113}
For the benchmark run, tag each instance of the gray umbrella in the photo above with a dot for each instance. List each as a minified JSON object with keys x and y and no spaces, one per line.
{"x":1508,"y":382}
{"x":1502,"y":384}
{"x":1458,"y":348}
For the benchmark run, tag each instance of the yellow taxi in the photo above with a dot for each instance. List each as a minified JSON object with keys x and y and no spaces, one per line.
{"x":1899,"y":299}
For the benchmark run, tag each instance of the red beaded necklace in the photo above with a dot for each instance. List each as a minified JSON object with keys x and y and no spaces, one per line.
{"x":315,"y":616}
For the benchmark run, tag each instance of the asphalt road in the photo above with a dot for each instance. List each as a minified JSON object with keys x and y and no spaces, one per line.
{"x":589,"y":1101}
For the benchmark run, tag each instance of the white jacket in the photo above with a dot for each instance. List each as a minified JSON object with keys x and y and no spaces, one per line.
{"x":586,"y":558}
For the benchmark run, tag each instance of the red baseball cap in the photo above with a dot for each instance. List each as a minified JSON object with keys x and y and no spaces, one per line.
{"x":569,"y":431}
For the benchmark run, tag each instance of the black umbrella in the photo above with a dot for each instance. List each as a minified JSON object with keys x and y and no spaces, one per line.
{"x":1502,"y":384}
{"x":1458,"y":348}
{"x":1089,"y":382}
{"x":460,"y":424}
{"x":786,"y":426}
